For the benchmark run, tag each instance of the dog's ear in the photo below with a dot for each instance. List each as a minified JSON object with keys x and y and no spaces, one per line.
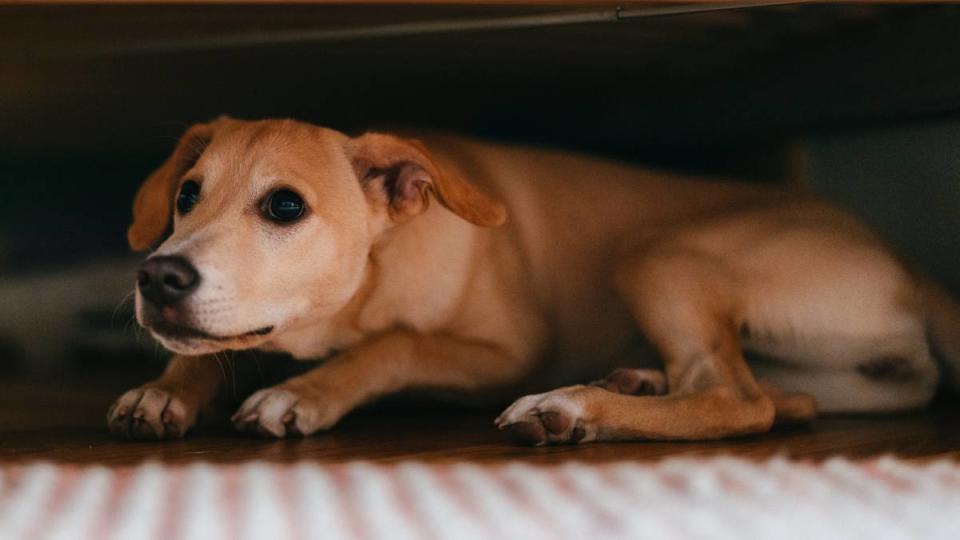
{"x":153,"y":205}
{"x":402,"y":174}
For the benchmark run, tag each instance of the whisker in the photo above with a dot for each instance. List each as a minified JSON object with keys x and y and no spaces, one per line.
{"x":123,"y":301}
{"x":223,"y":370}
{"x":134,"y":328}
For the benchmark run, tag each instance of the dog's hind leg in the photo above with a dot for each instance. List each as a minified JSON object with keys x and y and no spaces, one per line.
{"x":789,"y":407}
{"x":684,"y":302}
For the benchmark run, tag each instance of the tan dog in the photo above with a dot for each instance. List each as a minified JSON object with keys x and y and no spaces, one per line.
{"x":291,"y":237}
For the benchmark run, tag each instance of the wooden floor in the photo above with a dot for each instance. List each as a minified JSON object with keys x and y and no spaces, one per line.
{"x":64,"y":422}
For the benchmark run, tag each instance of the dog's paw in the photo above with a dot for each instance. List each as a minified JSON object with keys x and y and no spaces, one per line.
{"x":284,"y":411}
{"x":560,"y":416}
{"x":634,"y":382}
{"x":150,"y":413}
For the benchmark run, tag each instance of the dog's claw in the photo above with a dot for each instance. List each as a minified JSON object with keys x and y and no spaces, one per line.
{"x":560,"y":416}
{"x":149,"y":413}
{"x":282,"y":411}
{"x":531,"y":433}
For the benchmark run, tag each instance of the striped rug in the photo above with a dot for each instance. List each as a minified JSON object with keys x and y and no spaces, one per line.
{"x":709,"y":499}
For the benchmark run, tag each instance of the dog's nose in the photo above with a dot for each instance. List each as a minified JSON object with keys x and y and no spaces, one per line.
{"x":164,"y":280}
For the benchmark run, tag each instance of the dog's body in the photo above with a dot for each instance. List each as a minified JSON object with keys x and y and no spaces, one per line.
{"x":600,"y":266}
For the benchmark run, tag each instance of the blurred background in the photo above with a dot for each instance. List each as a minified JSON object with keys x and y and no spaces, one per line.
{"x":860,"y":103}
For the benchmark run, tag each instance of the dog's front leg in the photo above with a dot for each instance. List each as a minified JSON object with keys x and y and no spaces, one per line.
{"x":167,"y":407}
{"x":386,"y":364}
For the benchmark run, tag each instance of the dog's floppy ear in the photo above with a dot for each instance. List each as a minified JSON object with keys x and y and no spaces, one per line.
{"x":402,"y":173}
{"x":153,"y":205}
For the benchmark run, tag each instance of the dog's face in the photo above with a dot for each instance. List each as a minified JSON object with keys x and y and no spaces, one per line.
{"x":272,"y":226}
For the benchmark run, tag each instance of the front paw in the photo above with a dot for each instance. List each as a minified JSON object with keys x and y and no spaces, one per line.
{"x":287,"y":411}
{"x":150,"y":413}
{"x":561,"y":416}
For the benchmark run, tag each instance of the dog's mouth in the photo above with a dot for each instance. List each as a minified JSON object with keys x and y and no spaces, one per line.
{"x":181,"y":332}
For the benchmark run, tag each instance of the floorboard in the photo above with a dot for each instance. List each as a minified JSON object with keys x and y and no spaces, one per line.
{"x":64,"y":422}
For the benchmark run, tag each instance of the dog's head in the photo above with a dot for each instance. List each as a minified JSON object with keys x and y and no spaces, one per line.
{"x":266,"y":225}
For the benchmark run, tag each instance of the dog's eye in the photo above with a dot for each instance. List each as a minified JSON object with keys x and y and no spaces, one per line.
{"x":284,"y":206}
{"x":189,"y":194}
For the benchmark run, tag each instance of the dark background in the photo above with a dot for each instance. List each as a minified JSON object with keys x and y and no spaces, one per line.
{"x":859,"y":102}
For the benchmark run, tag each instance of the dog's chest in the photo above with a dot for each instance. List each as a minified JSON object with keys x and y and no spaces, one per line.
{"x":316,"y":340}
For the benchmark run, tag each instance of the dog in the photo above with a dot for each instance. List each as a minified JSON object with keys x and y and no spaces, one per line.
{"x":716,"y":308}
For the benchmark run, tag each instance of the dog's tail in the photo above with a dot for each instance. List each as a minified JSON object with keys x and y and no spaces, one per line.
{"x":943,"y":329}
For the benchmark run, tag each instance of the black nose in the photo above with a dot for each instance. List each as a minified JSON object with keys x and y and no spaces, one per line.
{"x":164,"y":280}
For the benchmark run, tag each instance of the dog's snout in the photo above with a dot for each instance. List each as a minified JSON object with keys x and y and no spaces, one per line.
{"x":165,"y":280}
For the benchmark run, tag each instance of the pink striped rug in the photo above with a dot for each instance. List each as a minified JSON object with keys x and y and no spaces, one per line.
{"x":711,"y":499}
